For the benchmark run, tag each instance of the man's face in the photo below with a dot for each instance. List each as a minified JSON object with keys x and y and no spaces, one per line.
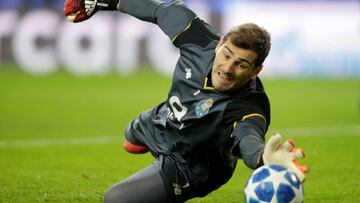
{"x":233,"y":67}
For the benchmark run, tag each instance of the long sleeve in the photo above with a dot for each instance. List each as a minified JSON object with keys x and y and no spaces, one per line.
{"x":249,"y":141}
{"x":172,"y":18}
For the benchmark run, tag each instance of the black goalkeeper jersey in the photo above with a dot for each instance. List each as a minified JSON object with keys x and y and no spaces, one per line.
{"x":201,"y":127}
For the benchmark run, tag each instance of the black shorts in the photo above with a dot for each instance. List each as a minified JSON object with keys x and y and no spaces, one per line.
{"x":147,"y":129}
{"x":178,"y":180}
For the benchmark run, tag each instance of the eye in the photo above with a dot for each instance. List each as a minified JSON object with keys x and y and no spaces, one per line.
{"x":226,"y":55}
{"x":243,"y":65}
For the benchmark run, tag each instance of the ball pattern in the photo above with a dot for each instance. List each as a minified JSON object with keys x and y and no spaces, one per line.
{"x":275,"y":184}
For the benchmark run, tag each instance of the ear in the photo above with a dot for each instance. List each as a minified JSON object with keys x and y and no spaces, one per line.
{"x":219,"y":44}
{"x":256,"y":71}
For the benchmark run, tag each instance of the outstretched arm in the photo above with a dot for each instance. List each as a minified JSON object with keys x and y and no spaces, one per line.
{"x":172,"y":18}
{"x":250,"y":145}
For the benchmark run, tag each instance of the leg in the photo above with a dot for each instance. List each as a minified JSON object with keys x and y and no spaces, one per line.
{"x":133,"y":148}
{"x":144,"y":133}
{"x":135,"y":133}
{"x":144,"y":186}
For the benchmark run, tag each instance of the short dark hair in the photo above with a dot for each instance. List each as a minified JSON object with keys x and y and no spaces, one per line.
{"x":251,"y":36}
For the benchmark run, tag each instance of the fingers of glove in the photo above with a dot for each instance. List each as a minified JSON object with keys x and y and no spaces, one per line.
{"x":300,"y":174}
{"x":71,"y":7}
{"x":297,"y":153}
{"x":74,"y":11}
{"x":288,"y":145}
{"x":273,"y":143}
{"x":303,"y":169}
{"x":81,"y":16}
{"x":299,"y":170}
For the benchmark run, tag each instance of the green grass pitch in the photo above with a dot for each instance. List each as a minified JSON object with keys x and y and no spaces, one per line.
{"x":61,"y":135}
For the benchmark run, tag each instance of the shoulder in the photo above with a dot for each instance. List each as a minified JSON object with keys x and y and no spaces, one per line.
{"x":197,"y":32}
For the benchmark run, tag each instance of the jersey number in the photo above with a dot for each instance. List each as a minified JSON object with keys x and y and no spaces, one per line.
{"x":178,"y":109}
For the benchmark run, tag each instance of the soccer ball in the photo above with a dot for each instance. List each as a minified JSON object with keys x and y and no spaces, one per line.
{"x":274,"y":184}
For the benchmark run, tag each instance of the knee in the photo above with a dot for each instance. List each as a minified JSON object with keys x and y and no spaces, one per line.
{"x":109,"y":197}
{"x":134,"y":149}
{"x":132,"y":144}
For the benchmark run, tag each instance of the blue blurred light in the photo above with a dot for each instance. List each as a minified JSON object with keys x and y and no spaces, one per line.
{"x":11,"y":4}
{"x":36,"y":3}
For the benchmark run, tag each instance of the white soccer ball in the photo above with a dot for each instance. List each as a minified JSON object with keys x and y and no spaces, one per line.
{"x":274,"y":184}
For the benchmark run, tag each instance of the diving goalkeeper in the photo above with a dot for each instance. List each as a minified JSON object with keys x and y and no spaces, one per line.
{"x":216,"y":111}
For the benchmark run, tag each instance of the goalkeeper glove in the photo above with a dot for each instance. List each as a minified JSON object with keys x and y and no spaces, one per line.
{"x":80,"y":10}
{"x":284,"y":155}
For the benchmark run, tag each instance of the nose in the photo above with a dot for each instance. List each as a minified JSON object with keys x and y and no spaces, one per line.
{"x":227,"y":67}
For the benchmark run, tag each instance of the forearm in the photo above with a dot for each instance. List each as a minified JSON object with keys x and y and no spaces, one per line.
{"x":172,"y":18}
{"x":249,"y":141}
{"x":251,"y":149}
{"x":141,"y":9}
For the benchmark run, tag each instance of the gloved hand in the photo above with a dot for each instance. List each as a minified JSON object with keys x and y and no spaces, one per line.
{"x":80,"y":10}
{"x":284,"y":155}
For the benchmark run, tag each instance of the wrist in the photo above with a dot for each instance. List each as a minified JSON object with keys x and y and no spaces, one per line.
{"x":109,"y":5}
{"x":260,"y":160}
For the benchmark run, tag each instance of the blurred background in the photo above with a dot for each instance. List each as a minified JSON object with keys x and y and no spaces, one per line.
{"x":310,"y":38}
{"x":67,"y":91}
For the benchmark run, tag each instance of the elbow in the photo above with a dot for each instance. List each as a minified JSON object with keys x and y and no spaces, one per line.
{"x":250,"y":163}
{"x":175,"y":16}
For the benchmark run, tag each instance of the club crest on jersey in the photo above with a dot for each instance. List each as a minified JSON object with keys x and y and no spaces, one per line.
{"x":202,"y":108}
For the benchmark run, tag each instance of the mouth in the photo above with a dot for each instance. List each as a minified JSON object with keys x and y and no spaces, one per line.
{"x":224,"y":78}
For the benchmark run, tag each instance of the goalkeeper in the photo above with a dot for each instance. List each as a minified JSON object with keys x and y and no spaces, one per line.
{"x":216,"y":111}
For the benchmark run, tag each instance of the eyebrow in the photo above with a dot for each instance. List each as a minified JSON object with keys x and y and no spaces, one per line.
{"x":238,"y":59}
